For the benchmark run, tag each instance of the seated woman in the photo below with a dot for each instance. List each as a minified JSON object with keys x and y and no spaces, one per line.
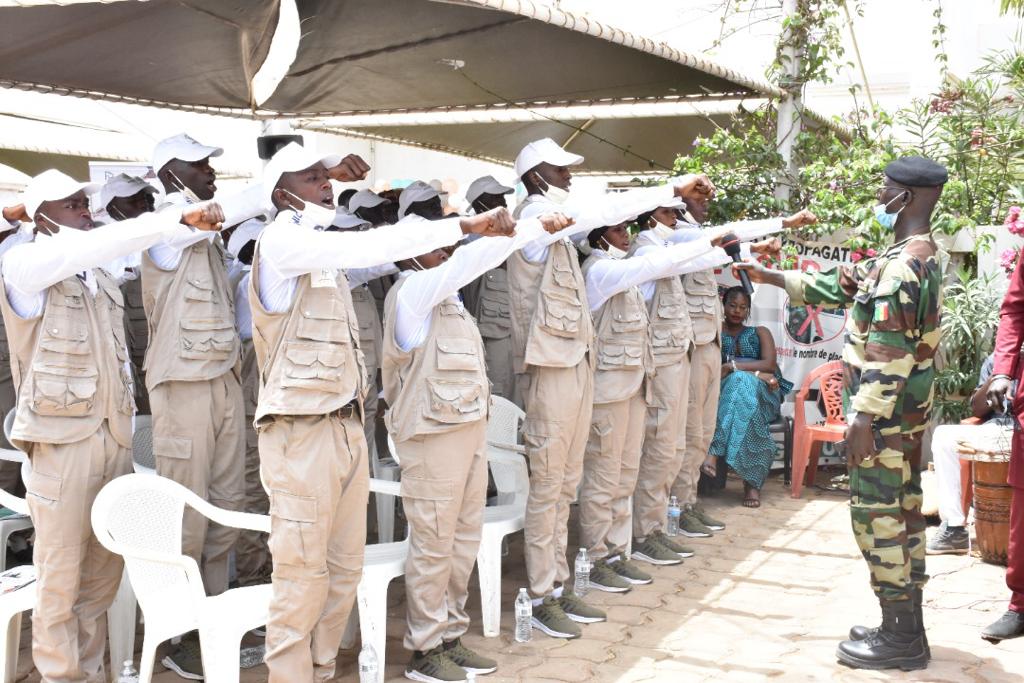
{"x":752,"y":391}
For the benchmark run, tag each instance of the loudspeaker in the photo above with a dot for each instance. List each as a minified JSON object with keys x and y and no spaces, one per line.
{"x":268,"y":145}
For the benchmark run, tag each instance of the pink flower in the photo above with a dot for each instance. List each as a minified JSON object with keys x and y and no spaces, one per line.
{"x":872,"y":253}
{"x":856,"y":256}
{"x":1008,"y":259}
{"x":1012,"y":215}
{"x":833,"y":185}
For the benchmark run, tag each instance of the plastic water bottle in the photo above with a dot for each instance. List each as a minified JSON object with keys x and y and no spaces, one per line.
{"x":128,"y":673}
{"x":368,"y":665}
{"x":673,"y":517}
{"x":582,"y":579}
{"x":524,"y":617}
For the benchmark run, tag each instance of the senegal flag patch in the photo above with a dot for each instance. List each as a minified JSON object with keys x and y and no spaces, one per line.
{"x":882,"y":312}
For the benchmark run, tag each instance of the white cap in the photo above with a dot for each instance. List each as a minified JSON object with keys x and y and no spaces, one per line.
{"x":246,"y":232}
{"x":344,"y":219}
{"x":417,"y":191}
{"x":289,"y":159}
{"x":674,"y":203}
{"x":123,"y":185}
{"x":50,"y":186}
{"x":364,"y":199}
{"x":485,"y":185}
{"x":542,"y":151}
{"x":181,"y":146}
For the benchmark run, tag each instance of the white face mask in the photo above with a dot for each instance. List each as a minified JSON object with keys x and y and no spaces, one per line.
{"x":312,"y":213}
{"x":613,"y":251}
{"x":190,"y":196}
{"x":63,"y":233}
{"x":662,"y":231}
{"x":555,"y":195}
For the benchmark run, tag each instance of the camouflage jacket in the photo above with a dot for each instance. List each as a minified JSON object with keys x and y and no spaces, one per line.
{"x":892,"y":332}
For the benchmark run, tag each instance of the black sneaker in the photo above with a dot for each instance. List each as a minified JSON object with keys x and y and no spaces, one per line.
{"x":949,"y":540}
{"x":434,"y":666}
{"x":186,"y":660}
{"x":1010,"y":625}
{"x":550,"y":618}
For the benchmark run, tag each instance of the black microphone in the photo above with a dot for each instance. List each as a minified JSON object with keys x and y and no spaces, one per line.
{"x":731,"y":245}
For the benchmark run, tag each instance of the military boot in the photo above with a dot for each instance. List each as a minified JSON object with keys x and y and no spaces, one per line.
{"x":897,"y":644}
{"x":864,"y":632}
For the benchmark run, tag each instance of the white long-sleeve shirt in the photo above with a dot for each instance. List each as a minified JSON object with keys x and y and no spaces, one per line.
{"x":428,"y":288}
{"x":607,"y":276}
{"x":594,"y":213}
{"x":290,"y":248}
{"x":360,"y":276}
{"x":32,"y":267}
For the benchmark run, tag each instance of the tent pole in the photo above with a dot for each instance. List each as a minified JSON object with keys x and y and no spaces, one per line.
{"x":788,"y":120}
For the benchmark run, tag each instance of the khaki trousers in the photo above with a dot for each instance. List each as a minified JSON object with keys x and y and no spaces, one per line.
{"x":77,"y":578}
{"x":664,"y":447}
{"x":498,"y":355}
{"x":252,"y":556}
{"x":609,"y":475}
{"x":199,"y":442}
{"x":444,"y":487}
{"x":558,"y":403}
{"x":701,"y":416}
{"x":315,"y":470}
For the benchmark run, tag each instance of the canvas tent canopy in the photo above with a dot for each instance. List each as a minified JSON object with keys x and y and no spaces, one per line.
{"x":325,"y":61}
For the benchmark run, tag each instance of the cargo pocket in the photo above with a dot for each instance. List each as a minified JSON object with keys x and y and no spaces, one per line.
{"x":618,"y":357}
{"x":62,"y":335}
{"x":45,"y":487}
{"x":206,"y":339}
{"x":630,"y":320}
{"x":670,"y":310}
{"x":312,"y":366}
{"x":199,"y":289}
{"x":457,"y":353}
{"x":495,"y":319}
{"x":323,"y":326}
{"x":426,"y":502}
{"x":561,"y":316}
{"x":295,"y":538}
{"x":56,"y":392}
{"x":538,"y":438}
{"x":454,"y":401}
{"x":563,"y":275}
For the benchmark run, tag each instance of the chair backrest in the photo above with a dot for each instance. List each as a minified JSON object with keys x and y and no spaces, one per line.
{"x":9,"y":500}
{"x":142,"y":445}
{"x":830,"y":380}
{"x":511,"y":476}
{"x":503,"y":421}
{"x":139,"y":517}
{"x":394,"y":451}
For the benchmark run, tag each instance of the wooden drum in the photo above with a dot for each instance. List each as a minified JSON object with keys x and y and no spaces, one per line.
{"x":990,"y":464}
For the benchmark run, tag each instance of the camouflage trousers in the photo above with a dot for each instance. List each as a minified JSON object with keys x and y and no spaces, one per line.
{"x":885,"y":511}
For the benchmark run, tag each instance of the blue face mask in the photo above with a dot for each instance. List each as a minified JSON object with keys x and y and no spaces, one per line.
{"x":885,"y":219}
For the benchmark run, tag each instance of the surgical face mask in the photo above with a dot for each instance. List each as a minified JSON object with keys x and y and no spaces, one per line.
{"x":662,"y":231}
{"x":190,"y":196}
{"x":64,"y":232}
{"x":614,"y":251}
{"x":885,"y":219}
{"x":312,"y":213}
{"x":555,"y":195}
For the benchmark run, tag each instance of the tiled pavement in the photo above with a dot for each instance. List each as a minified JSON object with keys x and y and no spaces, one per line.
{"x":767,"y":599}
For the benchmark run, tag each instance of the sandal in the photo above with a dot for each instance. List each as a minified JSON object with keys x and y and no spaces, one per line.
{"x":751,"y":496}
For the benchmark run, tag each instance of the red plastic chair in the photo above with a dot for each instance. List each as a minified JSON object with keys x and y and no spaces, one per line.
{"x":807,"y":438}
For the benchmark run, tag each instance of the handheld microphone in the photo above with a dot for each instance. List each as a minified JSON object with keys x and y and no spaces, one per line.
{"x":731,"y":245}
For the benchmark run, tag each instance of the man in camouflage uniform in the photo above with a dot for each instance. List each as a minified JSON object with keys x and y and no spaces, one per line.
{"x":891,"y":338}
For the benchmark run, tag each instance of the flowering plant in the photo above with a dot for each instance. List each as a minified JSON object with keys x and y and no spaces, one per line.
{"x":1008,"y":259}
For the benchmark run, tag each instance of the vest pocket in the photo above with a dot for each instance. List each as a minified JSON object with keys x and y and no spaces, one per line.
{"x":618,"y":357}
{"x":563,"y":276}
{"x":63,"y":335}
{"x":456,"y":353}
{"x":206,"y":339}
{"x":561,"y":316}
{"x":669,"y":310}
{"x":454,"y":401}
{"x":495,"y":319}
{"x":667,"y":338}
{"x":198,"y":289}
{"x":323,"y":326}
{"x":312,"y":366}
{"x":630,"y":320}
{"x":57,"y":394}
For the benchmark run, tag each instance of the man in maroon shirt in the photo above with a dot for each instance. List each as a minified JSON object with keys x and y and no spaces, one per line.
{"x":1008,"y":368}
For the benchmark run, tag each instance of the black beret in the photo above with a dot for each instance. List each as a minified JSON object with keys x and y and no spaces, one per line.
{"x":917,"y":172}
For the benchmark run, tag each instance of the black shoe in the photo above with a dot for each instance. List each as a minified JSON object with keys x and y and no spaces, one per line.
{"x":897,"y":644}
{"x":865,"y":632}
{"x":1010,"y":625}
{"x":949,"y":540}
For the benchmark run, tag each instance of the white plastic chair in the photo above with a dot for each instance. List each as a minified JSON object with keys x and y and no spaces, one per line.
{"x":143,"y":460}
{"x":12,"y":606}
{"x":386,"y":469}
{"x":503,"y":425}
{"x":139,"y":517}
{"x":513,"y":482}
{"x":21,"y":521}
{"x":382,"y":563}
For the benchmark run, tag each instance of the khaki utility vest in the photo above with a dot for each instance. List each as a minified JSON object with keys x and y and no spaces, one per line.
{"x":623,"y":345}
{"x":671,"y":329}
{"x":490,"y":304}
{"x":371,"y":333}
{"x":192,"y":334}
{"x":440,"y":385}
{"x":308,"y":356}
{"x":70,"y":365}
{"x":704,"y":305}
